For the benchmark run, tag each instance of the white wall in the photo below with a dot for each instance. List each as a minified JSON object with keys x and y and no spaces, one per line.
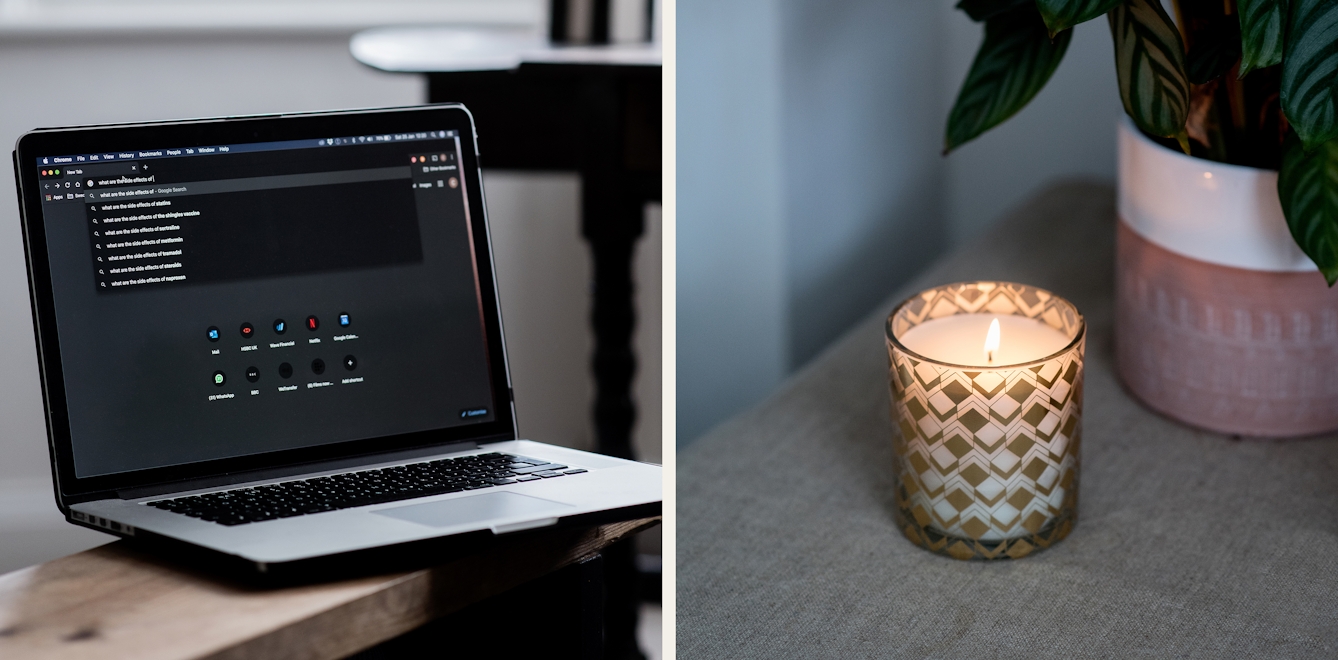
{"x":809,"y":176}
{"x":542,"y":262}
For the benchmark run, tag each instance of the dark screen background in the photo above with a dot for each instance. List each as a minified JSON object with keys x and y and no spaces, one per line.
{"x":395,"y":255}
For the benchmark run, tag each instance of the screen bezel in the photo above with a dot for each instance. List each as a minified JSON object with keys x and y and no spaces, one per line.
{"x":239,"y":130}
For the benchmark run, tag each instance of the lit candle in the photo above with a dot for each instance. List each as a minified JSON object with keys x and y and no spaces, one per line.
{"x":957,"y":339}
{"x":987,"y":386}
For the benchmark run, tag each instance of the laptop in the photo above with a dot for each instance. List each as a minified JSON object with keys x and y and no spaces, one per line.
{"x":275,"y":342}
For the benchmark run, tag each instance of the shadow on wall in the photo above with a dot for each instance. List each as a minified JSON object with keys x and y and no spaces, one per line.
{"x":863,"y":176}
{"x":810,"y":183}
{"x":1067,"y":131}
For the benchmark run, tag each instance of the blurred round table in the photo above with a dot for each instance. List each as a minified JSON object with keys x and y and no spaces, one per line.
{"x":539,"y":106}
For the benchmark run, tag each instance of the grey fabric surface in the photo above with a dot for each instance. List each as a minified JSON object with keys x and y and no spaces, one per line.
{"x":1187,"y":544}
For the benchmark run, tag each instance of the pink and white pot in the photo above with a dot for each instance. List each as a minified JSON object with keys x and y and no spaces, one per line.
{"x":1221,"y":321}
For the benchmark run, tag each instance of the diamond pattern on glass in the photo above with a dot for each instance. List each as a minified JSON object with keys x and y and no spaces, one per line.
{"x":987,"y":459}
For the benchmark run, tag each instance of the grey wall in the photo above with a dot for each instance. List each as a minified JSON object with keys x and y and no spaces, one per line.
{"x":1068,"y":130}
{"x":732,"y":312}
{"x":542,"y":262}
{"x":862,"y":176}
{"x":810,"y":183}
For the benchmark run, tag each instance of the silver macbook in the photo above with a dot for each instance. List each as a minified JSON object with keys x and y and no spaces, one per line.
{"x":276,"y":341}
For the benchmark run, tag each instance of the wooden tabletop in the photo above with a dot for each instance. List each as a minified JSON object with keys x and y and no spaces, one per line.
{"x":115,"y":602}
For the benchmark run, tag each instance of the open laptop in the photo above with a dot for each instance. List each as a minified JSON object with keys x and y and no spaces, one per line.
{"x":277,"y":340}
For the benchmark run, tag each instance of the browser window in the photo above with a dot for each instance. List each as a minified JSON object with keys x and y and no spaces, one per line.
{"x":225,"y":300}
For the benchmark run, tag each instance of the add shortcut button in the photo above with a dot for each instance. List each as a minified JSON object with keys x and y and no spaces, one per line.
{"x":350,"y":362}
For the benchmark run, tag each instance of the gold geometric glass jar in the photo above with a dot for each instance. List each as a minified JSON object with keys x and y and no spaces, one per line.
{"x":987,"y":456}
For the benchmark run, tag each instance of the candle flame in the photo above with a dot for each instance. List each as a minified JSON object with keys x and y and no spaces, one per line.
{"x":992,"y":340}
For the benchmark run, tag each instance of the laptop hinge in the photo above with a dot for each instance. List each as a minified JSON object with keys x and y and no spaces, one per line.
{"x":292,"y":470}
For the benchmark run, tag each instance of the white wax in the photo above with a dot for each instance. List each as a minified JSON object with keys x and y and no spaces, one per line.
{"x":960,"y":340}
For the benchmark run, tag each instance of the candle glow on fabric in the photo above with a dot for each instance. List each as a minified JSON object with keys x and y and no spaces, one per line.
{"x":958,"y":339}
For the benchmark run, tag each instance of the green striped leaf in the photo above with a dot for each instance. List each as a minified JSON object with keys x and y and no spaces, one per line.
{"x":1150,"y":66}
{"x":1310,"y":70}
{"x":1061,"y":15}
{"x":1012,"y":65}
{"x":1308,"y":188}
{"x":983,"y":10}
{"x":1260,"y":33}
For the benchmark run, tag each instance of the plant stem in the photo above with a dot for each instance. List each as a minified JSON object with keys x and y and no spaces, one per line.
{"x":1231,"y":120}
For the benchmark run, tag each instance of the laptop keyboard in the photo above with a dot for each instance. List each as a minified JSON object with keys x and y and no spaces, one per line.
{"x":352,"y":489}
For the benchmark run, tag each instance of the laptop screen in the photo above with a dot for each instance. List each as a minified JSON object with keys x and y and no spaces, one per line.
{"x":229,"y":300}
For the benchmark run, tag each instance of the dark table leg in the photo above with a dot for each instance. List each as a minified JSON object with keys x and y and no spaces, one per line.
{"x":603,"y":122}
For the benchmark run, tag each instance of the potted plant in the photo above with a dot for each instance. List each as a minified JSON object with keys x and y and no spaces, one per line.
{"x":1228,"y":194}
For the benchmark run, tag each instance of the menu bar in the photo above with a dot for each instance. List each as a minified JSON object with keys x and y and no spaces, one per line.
{"x":244,"y":148}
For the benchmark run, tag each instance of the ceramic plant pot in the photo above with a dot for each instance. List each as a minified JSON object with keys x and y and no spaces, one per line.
{"x":1221,"y":321}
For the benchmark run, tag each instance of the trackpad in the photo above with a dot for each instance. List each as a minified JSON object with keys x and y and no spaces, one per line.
{"x":475,"y":509}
